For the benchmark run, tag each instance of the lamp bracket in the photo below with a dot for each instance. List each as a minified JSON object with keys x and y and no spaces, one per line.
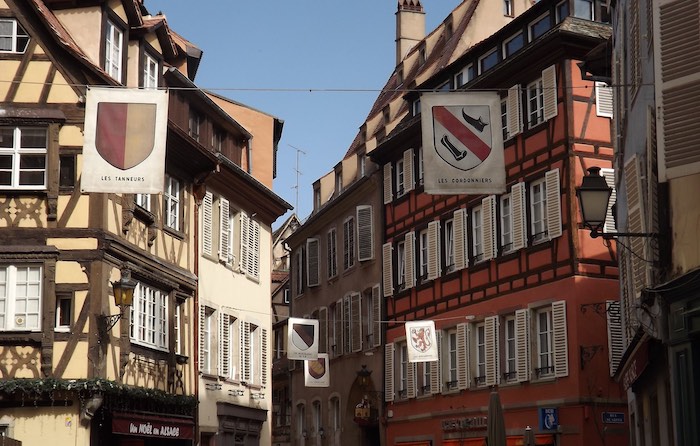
{"x":595,"y":233}
{"x":588,"y":352}
{"x":601,"y":308}
{"x":106,"y":322}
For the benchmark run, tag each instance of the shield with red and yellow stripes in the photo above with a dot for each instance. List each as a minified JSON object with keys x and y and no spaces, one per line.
{"x":125,"y":133}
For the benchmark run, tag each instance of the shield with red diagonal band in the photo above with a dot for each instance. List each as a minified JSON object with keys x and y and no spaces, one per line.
{"x":462,"y":134}
{"x":125,"y":133}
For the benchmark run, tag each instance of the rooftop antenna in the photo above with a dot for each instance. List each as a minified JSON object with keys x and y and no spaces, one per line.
{"x":298,"y":172}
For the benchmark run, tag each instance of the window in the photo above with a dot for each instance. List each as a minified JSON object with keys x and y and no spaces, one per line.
{"x":488,"y":61}
{"x":401,"y":262}
{"x":143,"y":200}
{"x":64,"y":312}
{"x":194,"y":125}
{"x":20,"y":297}
{"x":317,"y":416}
{"x":403,"y":377}
{"x":510,"y":370}
{"x":286,"y":295}
{"x":179,"y":309}
{"x":299,"y":272}
{"x":348,"y":243}
{"x":480,"y":378}
{"x":464,"y":76}
{"x":504,"y":118}
{"x":206,"y":340}
{"x":301,"y":421}
{"x":584,"y":9}
{"x":13,"y":38}
{"x":508,"y":8}
{"x":114,"y":44}
{"x":253,"y":353}
{"x":250,"y":246}
{"x":335,"y":413}
{"x":477,"y":239}
{"x":149,"y":317}
{"x":423,"y":254}
{"x":66,"y":174}
{"x":217,"y":139}
{"x":539,"y":27}
{"x":23,"y":157}
{"x":338,"y":183}
{"x":452,"y":360}
{"x":545,"y":363}
{"x":415,"y":107}
{"x":150,"y":71}
{"x":425,"y":380}
{"x":445,"y":86}
{"x":317,"y":198}
{"x":331,"y":242}
{"x":171,"y":202}
{"x":506,"y":224}
{"x":420,"y":165}
{"x":362,"y":160}
{"x":399,"y":178}
{"x":449,"y":246}
{"x":562,"y":10}
{"x":513,"y":45}
{"x":535,"y":103}
{"x":538,"y":210}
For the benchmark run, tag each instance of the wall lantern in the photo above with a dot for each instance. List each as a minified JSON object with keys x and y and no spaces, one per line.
{"x":594,"y":196}
{"x":123,"y":298}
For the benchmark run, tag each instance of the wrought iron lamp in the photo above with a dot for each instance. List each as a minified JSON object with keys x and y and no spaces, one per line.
{"x":123,"y":297}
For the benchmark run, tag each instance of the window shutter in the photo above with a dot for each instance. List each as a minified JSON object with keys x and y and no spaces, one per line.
{"x":263,"y":357}
{"x":603,"y":100}
{"x":458,"y":227}
{"x":635,"y":223}
{"x":488,"y":226}
{"x":609,"y":175}
{"x":436,"y":368}
{"x":377,"y":316}
{"x":245,"y":242}
{"x":553,"y":204}
{"x":677,"y":71}
{"x":411,"y":380}
{"x":491,"y":326}
{"x":388,"y":194}
{"x":202,"y":320}
{"x":560,"y":343}
{"x":224,"y":231}
{"x":616,"y":346}
{"x":224,"y":346}
{"x":254,"y":251}
{"x":365,"y":233}
{"x":433,"y":250}
{"x":652,"y":201}
{"x":347,"y":325}
{"x":517,"y":196}
{"x":410,"y":260}
{"x":387,"y":270}
{"x":323,"y":330}
{"x":207,"y":223}
{"x":463,"y":375}
{"x":549,"y":85}
{"x":408,"y":177}
{"x":514,"y":111}
{"x":244,"y":349}
{"x":356,"y":322}
{"x":339,"y":327}
{"x":522,"y":345}
{"x":312,"y":263}
{"x":389,"y":372}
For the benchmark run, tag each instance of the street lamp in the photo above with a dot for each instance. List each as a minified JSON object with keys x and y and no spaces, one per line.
{"x":123,"y":297}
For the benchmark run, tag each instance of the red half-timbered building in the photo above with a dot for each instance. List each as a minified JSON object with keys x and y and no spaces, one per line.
{"x":524,"y":301}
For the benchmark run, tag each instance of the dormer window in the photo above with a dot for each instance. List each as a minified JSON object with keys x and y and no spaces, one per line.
{"x":194,"y":124}
{"x":13,"y":38}
{"x":317,"y":198}
{"x":464,"y":76}
{"x":114,"y":47}
{"x":386,"y":115}
{"x":416,"y":107}
{"x":422,"y":55}
{"x":150,"y":71}
{"x":338,"y":182}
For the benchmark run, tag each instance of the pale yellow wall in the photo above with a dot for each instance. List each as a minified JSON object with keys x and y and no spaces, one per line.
{"x":685,"y":223}
{"x":70,"y":135}
{"x":8,"y":68}
{"x":59,"y":425}
{"x":33,"y":82}
{"x":132,"y":64}
{"x":61,"y":92}
{"x":327,"y":187}
{"x":84,"y":26}
{"x":349,"y":170}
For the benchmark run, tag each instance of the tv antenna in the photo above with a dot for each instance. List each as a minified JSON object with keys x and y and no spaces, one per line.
{"x":298,"y":172}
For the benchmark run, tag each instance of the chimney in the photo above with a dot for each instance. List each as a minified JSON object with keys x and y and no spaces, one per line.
{"x":410,"y":27}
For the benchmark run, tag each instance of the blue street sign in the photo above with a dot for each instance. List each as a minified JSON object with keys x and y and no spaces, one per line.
{"x":613,"y":417}
{"x":549,"y":418}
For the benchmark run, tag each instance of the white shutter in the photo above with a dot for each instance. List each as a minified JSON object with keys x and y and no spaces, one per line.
{"x":244,"y":350}
{"x":636,"y":223}
{"x":202,"y":342}
{"x":312,"y":262}
{"x":677,"y":74}
{"x":389,"y":372}
{"x":224,"y":347}
{"x":254,"y":252}
{"x":459,"y":237}
{"x":609,"y":175}
{"x":408,"y":177}
{"x":410,"y":260}
{"x":560,"y":344}
{"x":388,"y":193}
{"x":224,"y":231}
{"x":323,"y":330}
{"x":491,"y":327}
{"x":339,"y":327}
{"x":433,"y":250}
{"x":411,"y":380}
{"x":616,"y":346}
{"x":387,"y":270}
{"x":522,"y":345}
{"x":514,"y":111}
{"x":263,"y":356}
{"x":356,"y":322}
{"x":551,"y":178}
{"x":376,"y":316}
{"x":517,"y":196}
{"x":550,"y":92}
{"x":436,"y":368}
{"x":365,"y":233}
{"x":603,"y":100}
{"x":347,"y":325}
{"x":463,"y":375}
{"x":245,"y":242}
{"x":488,"y":226}
{"x":207,"y":223}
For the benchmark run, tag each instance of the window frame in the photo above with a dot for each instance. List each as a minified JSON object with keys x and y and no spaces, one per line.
{"x":538,"y":208}
{"x":589,"y":6}
{"x":149,"y":317}
{"x":535,"y":94}
{"x":452,"y":369}
{"x":9,"y":276}
{"x":545,"y":368}
{"x":464,"y":76}
{"x":150,"y":71}
{"x":15,"y":36}
{"x":400,"y":180}
{"x":477,"y":251}
{"x":508,"y":8}
{"x":506,"y":52}
{"x":172,"y":196}
{"x":401,"y":264}
{"x":403,"y":371}
{"x":332,"y":252}
{"x":348,"y":243}
{"x":510,"y":357}
{"x":62,"y":313}
{"x":423,"y":248}
{"x":485,"y":57}
{"x":506,"y":221}
{"x":532,"y":26}
{"x":449,"y":245}
{"x":194,"y":124}
{"x":17,"y":152}
{"x":480,"y":354}
{"x":114,"y":64}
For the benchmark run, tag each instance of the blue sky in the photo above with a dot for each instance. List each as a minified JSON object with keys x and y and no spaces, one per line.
{"x":253,"y":49}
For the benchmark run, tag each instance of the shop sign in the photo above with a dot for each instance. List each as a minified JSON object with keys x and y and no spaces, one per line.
{"x":613,"y":417}
{"x":462,"y":424}
{"x":549,"y":418}
{"x":153,"y":427}
{"x":636,"y":365}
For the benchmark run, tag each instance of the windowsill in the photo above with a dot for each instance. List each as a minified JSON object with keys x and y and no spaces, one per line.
{"x":174,"y":232}
{"x":208,"y":376}
{"x":144,"y":215}
{"x":148,"y":347}
{"x":401,"y":198}
{"x":62,"y":329}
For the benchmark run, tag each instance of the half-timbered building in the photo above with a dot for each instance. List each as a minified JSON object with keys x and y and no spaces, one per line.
{"x":522,"y":298}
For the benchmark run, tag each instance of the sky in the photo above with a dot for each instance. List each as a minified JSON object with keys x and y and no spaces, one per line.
{"x":316,"y":64}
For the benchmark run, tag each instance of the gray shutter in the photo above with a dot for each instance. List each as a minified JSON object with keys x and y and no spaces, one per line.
{"x":609,"y":175}
{"x":389,"y":393}
{"x":224,"y":230}
{"x":560,"y":339}
{"x":616,"y":345}
{"x":410,"y":260}
{"x":433,"y":250}
{"x":408,"y":177}
{"x":339,"y":327}
{"x":244,"y":350}
{"x":207,"y":223}
{"x":436,"y":368}
{"x":517,"y":196}
{"x":603,"y":100}
{"x":387,"y":270}
{"x":549,"y":85}
{"x":491,"y":326}
{"x":224,"y":347}
{"x":488,"y":226}
{"x":522,"y":345}
{"x":365,"y":233}
{"x":347,"y":325}
{"x":463,"y":375}
{"x":554,"y":229}
{"x":312,"y":262}
{"x":323,"y":330}
{"x":245,"y":242}
{"x":514,"y":111}
{"x":356,"y":322}
{"x":388,"y":193}
{"x":636,"y":223}
{"x":377,"y":316}
{"x":459,"y":237}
